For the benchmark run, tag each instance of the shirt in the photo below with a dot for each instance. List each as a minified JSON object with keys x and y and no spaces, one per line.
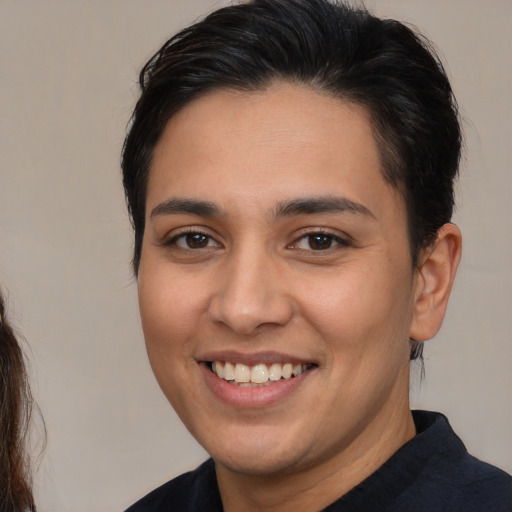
{"x":433,"y":472}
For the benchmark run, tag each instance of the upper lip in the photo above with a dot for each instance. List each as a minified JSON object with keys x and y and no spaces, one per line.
{"x":251,"y":359}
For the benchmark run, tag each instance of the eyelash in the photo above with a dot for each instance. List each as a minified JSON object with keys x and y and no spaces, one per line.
{"x":184,"y":234}
{"x":329,"y":239}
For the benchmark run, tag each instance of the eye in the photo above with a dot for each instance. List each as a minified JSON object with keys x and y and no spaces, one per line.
{"x":192,"y":240}
{"x":319,"y":242}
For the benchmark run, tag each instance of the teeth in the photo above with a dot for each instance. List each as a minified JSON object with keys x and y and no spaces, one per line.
{"x":259,"y":374}
{"x":297,"y":370}
{"x":242,"y":373}
{"x":274,"y":372}
{"x":262,"y":374}
{"x":286,"y":372}
{"x":229,"y":371}
{"x":218,"y":369}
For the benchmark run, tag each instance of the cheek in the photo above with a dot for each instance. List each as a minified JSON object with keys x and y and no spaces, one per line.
{"x":360,"y":310}
{"x":170,"y":307}
{"x":169,"y":319}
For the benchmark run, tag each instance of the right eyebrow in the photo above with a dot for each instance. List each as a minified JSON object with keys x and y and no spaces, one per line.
{"x":185,"y":206}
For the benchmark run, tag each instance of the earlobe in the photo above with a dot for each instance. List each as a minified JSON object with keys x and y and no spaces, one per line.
{"x":437,"y":266}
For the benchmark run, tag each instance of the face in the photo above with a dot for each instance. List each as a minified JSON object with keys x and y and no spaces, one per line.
{"x":275,"y":285}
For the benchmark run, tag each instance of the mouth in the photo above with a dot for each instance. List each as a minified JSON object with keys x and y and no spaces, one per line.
{"x":257,"y":375}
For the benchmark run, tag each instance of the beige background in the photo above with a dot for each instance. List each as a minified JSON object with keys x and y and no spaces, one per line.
{"x":68,"y":70}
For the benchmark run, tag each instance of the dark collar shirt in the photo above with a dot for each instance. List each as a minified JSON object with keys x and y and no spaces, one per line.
{"x":433,"y":472}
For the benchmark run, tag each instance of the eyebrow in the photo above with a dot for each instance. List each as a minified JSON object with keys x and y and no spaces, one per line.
{"x":302,"y":206}
{"x":322,"y":204}
{"x":186,"y":206}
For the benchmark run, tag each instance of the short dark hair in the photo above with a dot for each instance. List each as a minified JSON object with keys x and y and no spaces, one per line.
{"x":334,"y":48}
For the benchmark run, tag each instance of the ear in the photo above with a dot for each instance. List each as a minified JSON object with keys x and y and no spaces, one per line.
{"x":437,"y":266}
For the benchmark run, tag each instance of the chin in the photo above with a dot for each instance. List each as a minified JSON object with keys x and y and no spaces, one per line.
{"x":257,"y":465}
{"x":259,"y":452}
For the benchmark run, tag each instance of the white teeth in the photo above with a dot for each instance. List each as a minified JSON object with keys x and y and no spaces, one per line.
{"x":275,"y":372}
{"x":297,"y":370}
{"x":229,"y":371}
{"x":260,"y":374}
{"x":242,"y":373}
{"x":218,"y":369}
{"x":287,"y":370}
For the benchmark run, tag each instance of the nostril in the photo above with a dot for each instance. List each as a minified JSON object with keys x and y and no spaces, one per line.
{"x":251,"y":315}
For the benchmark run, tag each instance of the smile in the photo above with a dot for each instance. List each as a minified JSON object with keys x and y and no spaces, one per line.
{"x":243,"y":375}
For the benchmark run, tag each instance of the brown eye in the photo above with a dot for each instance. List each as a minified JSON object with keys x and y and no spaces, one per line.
{"x":196,"y":240}
{"x":319,"y":242}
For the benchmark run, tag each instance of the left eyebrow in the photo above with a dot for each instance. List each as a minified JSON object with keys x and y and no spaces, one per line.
{"x":323,"y":204}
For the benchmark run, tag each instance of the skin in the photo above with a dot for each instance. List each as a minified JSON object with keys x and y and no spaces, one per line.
{"x":258,"y":284}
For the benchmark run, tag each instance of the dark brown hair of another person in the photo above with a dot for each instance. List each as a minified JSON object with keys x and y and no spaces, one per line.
{"x":16,"y":405}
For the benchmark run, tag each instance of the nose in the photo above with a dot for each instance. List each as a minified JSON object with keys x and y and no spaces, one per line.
{"x":252,"y":295}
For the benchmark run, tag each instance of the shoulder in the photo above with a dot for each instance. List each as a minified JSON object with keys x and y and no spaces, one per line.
{"x":482,"y":487}
{"x":183,"y":493}
{"x":453,"y":480}
{"x":432,"y":472}
{"x":466,"y":485}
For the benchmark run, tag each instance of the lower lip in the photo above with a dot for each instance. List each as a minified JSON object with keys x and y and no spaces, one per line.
{"x":258,"y":396}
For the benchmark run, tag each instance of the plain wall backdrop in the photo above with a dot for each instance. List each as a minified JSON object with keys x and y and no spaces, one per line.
{"x":69,"y":71}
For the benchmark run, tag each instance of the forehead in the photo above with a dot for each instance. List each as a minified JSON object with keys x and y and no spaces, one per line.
{"x":291,"y":138}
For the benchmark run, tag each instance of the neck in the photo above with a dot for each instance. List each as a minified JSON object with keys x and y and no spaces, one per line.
{"x":314,"y":488}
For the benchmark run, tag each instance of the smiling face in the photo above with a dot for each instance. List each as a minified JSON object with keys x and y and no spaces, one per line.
{"x":273,"y":243}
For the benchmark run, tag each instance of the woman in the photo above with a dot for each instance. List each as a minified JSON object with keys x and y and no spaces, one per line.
{"x":15,"y":413}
